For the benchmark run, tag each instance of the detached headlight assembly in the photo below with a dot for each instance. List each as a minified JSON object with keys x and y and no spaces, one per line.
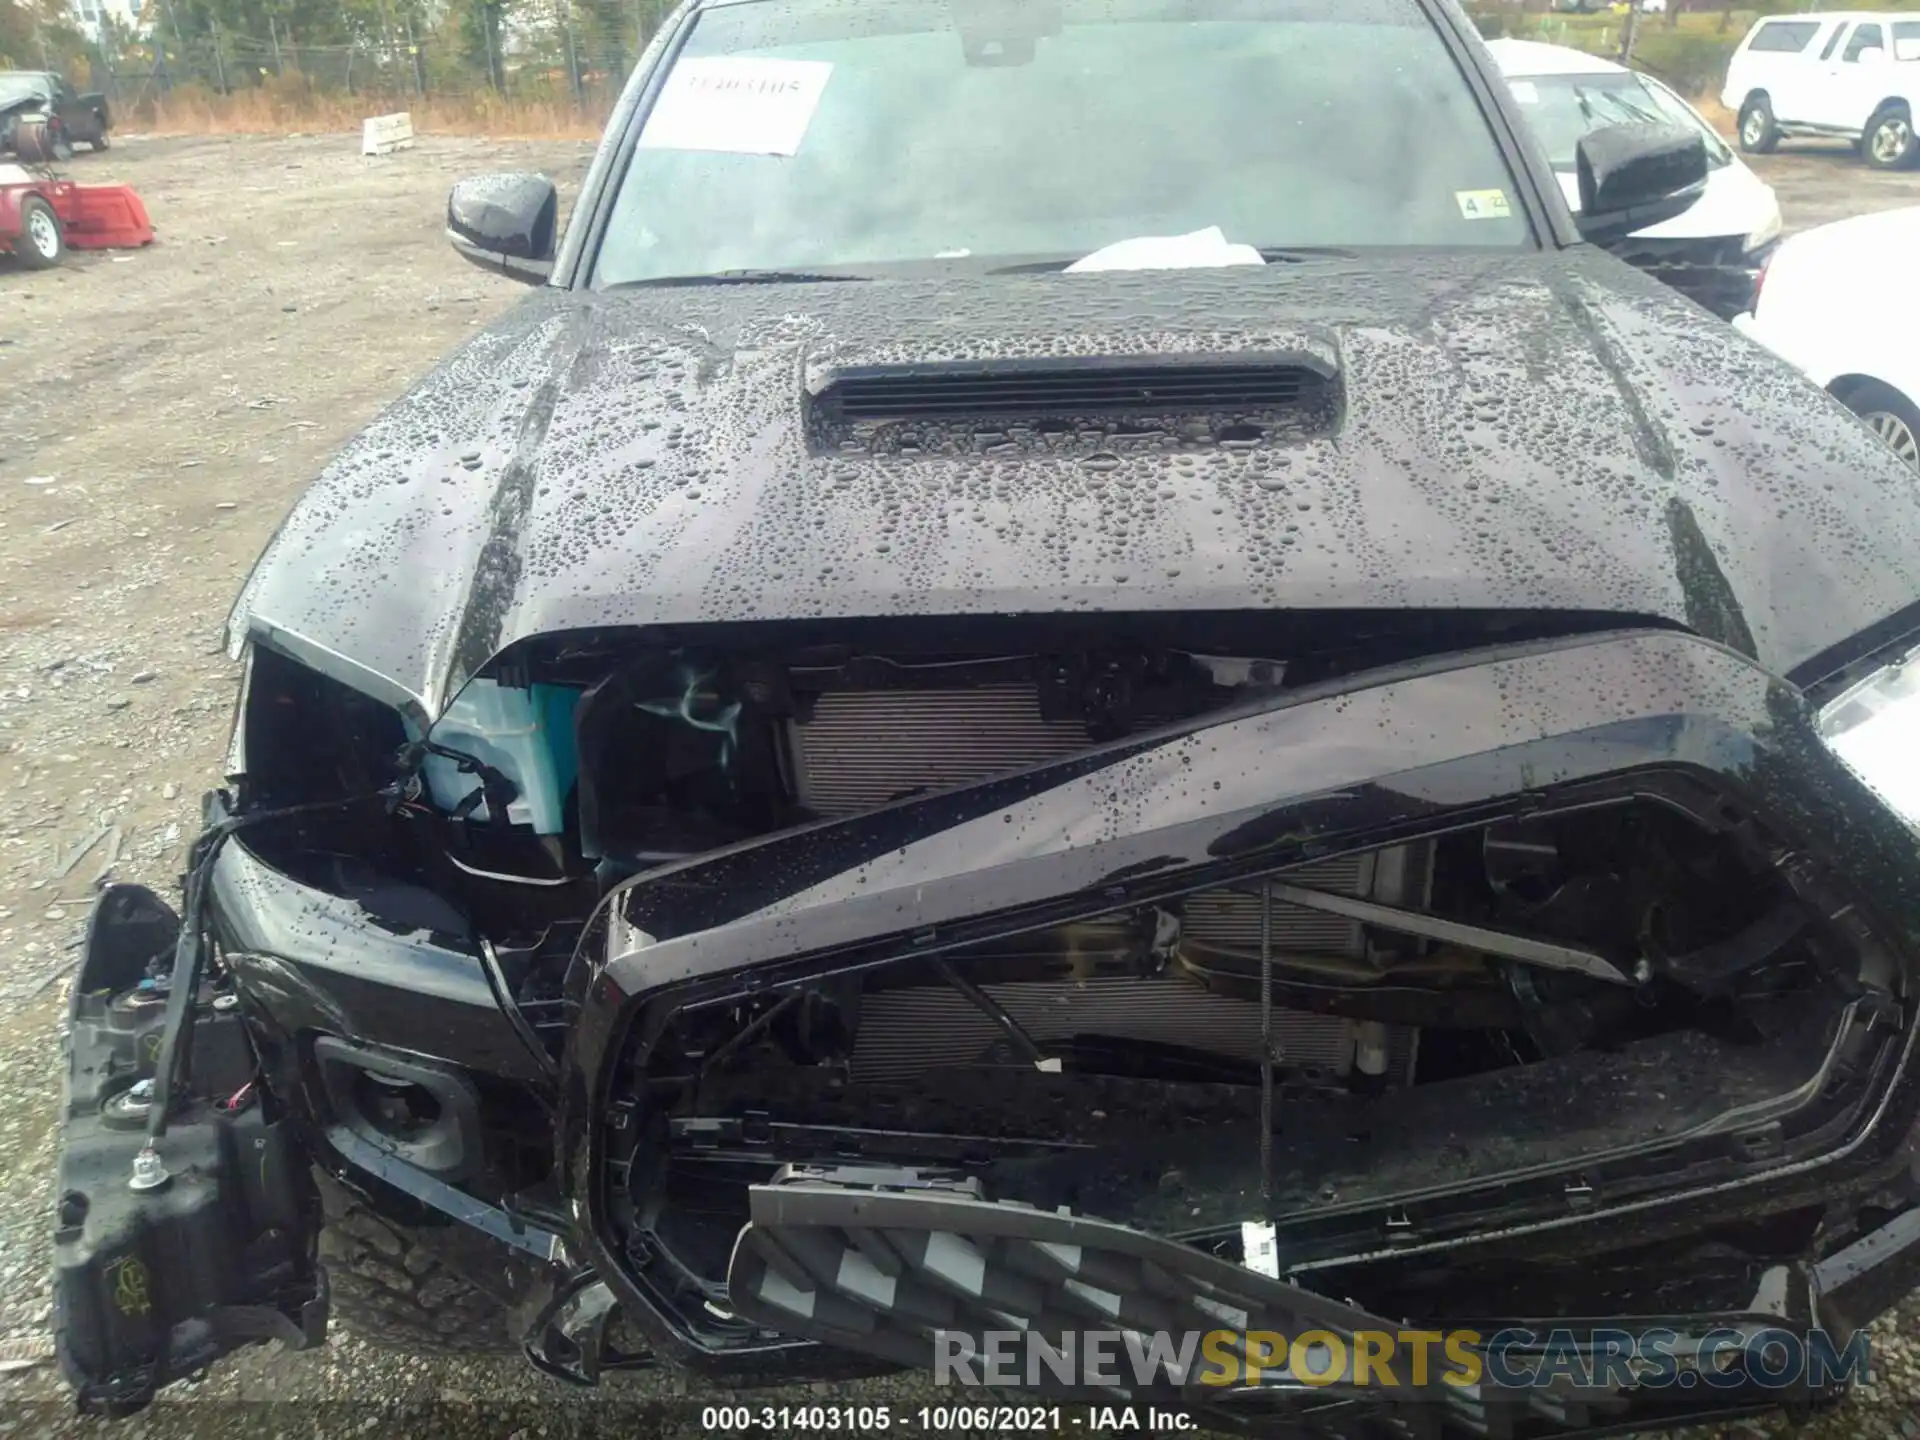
{"x":1875,"y":730}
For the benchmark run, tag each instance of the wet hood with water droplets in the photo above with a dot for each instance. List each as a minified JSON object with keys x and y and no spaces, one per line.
{"x":1534,"y":432}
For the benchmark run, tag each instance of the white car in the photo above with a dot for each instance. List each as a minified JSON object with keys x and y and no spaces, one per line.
{"x":1713,"y":251}
{"x":1832,"y":302}
{"x":1851,"y":76}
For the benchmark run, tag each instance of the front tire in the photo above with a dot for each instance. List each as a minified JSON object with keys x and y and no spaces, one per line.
{"x":420,"y":1290}
{"x":99,"y":142}
{"x":42,"y":243}
{"x":1889,"y":142}
{"x":1889,"y":414}
{"x":1759,"y":133}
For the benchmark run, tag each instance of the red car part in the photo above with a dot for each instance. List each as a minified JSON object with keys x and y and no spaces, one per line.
{"x":92,"y":217}
{"x":100,"y":217}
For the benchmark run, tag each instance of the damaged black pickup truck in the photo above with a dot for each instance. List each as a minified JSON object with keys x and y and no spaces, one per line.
{"x":893,"y":755}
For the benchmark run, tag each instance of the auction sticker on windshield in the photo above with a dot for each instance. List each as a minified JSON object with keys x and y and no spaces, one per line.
{"x":1483,"y":204}
{"x":736,"y":105}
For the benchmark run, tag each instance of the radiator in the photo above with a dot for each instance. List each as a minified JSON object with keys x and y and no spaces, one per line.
{"x":863,"y":749}
{"x":1230,"y":919}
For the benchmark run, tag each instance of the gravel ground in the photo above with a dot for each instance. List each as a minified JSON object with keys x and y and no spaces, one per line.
{"x":159,"y":411}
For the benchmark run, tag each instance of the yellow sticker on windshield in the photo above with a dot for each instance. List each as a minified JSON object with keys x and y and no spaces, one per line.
{"x":1483,"y":204}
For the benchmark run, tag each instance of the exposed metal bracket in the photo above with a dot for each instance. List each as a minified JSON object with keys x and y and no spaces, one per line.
{"x":1029,"y":1050}
{"x":1548,"y":954}
{"x":465,"y":1209}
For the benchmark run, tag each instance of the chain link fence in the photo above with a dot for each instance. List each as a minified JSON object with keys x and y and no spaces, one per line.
{"x":556,"y":64}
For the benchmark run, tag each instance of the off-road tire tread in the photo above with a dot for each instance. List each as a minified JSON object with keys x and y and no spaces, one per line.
{"x":394,"y":1285}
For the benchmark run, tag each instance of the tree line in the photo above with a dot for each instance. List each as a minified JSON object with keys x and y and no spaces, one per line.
{"x":401,"y":46}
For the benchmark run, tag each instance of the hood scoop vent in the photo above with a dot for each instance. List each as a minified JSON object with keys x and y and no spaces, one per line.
{"x":1063,"y":389}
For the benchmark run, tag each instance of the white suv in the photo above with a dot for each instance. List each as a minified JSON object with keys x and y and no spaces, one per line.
{"x":1852,"y":76}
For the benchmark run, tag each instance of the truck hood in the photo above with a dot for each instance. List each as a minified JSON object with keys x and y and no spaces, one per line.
{"x":1528,"y":432}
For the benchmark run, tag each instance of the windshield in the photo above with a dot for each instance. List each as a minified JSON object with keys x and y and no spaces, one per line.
{"x":1561,"y":109}
{"x":799,"y":134}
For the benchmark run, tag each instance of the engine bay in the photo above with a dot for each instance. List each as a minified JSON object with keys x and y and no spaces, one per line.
{"x":669,"y":755}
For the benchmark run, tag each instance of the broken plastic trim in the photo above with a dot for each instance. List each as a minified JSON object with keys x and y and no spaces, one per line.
{"x":880,"y":1260}
{"x":567,"y":1338}
{"x":191,"y":949}
{"x":916,"y":1268}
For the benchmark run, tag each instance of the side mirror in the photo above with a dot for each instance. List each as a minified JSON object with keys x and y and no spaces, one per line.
{"x":1872,"y":55}
{"x":1633,"y":176}
{"x":506,"y":223}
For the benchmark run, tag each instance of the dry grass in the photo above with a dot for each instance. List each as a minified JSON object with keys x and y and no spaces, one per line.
{"x":290,"y":105}
{"x":286,"y":105}
{"x":1716,"y":114}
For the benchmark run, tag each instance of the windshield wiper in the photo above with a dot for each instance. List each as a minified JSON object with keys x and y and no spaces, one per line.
{"x":737,"y":277}
{"x":1294,"y":254}
{"x":1272,"y":254}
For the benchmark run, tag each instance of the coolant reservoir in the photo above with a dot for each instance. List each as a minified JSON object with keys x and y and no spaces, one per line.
{"x":525,"y":734}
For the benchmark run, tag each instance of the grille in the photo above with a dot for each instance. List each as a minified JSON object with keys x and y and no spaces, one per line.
{"x":1010,"y":389}
{"x":863,"y":749}
{"x":905,"y":1032}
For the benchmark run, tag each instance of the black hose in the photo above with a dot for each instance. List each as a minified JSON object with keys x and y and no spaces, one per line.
{"x":516,"y":1017}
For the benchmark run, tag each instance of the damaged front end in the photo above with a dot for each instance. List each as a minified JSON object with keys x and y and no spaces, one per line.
{"x":1488,"y":990}
{"x":790,"y":1006}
